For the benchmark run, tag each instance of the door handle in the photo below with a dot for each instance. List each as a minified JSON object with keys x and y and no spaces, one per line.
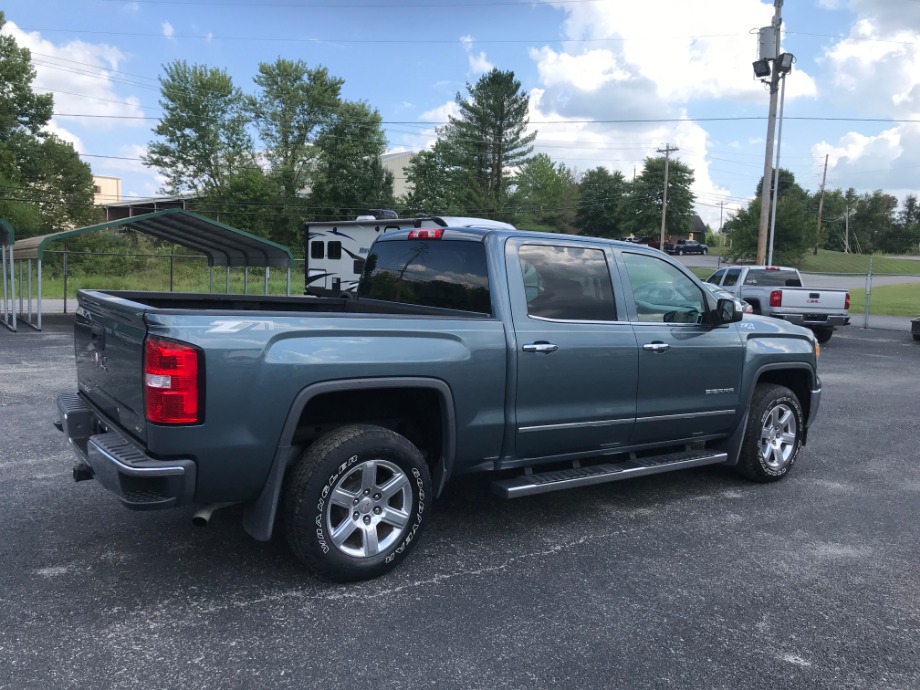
{"x":542,"y":348}
{"x":656,"y":347}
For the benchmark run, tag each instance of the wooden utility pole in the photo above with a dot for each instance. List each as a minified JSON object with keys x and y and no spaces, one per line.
{"x":664,"y":200}
{"x":820,"y":207}
{"x":764,"y":227}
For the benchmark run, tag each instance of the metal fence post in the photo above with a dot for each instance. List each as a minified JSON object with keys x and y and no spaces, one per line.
{"x":868,"y":292}
{"x":246,"y":279}
{"x":171,"y":272}
{"x":65,"y":281}
{"x":265,"y":290}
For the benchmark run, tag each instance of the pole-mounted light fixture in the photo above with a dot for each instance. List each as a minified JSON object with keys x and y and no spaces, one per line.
{"x":761,"y":68}
{"x":784,"y":63}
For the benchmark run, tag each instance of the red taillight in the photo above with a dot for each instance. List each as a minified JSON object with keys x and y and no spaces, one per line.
{"x":776,"y":298}
{"x":846,"y":303}
{"x":426,"y":234}
{"x":171,"y":382}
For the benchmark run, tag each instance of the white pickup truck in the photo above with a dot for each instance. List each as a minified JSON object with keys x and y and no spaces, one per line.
{"x":777,"y":291}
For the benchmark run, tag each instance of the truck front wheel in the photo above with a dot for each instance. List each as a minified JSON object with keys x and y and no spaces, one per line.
{"x":823,"y":334}
{"x":773,"y":437}
{"x":356,"y":502}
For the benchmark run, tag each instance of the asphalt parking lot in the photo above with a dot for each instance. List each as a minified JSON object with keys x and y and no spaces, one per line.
{"x":691,"y":580}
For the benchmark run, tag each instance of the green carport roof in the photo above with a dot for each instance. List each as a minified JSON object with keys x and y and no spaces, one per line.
{"x":222,"y":244}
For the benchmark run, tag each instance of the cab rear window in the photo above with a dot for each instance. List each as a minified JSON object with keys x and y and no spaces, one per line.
{"x":773,"y":277}
{"x":431,"y":273}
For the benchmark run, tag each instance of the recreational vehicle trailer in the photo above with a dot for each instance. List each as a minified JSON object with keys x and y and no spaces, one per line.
{"x":334,"y":252}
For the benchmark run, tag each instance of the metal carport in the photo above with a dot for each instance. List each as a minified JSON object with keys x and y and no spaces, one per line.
{"x":221,"y":244}
{"x":7,"y":240}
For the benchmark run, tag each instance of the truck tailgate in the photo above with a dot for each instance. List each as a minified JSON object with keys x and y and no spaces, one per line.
{"x":815,"y":299}
{"x":109,"y":348}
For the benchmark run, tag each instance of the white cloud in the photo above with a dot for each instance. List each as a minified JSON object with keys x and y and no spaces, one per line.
{"x":67,"y":136}
{"x":479,"y":64}
{"x":875,"y":71}
{"x":441,"y":113}
{"x":686,"y":53}
{"x":168,"y":30}
{"x":79,"y":75}
{"x":586,"y":72}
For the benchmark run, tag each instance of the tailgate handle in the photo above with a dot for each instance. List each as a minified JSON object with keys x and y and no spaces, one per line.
{"x":814,"y":295}
{"x":97,"y":334}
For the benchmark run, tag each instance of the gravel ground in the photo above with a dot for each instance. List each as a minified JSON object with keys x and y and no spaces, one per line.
{"x":691,"y":580}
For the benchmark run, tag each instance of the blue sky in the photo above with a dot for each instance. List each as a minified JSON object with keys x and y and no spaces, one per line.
{"x":681,"y":71}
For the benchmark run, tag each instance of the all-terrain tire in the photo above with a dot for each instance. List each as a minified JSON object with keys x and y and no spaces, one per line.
{"x":773,"y":438}
{"x":822,"y":335}
{"x":356,"y":503}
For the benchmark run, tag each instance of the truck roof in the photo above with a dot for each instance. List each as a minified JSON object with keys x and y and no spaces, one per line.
{"x":478,"y":233}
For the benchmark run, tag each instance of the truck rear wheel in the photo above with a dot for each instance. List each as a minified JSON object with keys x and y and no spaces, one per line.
{"x":773,"y":437}
{"x":823,"y":334}
{"x":355,"y":503}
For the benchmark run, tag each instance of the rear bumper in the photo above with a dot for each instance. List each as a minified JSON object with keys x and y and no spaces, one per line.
{"x":140,"y":481}
{"x":814,"y":320}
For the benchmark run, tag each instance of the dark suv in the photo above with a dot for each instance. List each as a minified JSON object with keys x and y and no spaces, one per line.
{"x":687,"y":247}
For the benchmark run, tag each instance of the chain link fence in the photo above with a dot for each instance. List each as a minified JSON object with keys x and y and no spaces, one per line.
{"x":65,"y":272}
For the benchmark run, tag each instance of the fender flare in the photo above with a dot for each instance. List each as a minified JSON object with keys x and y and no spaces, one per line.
{"x":259,"y":515}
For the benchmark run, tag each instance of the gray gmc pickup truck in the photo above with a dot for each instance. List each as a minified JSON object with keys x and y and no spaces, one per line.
{"x":549,"y":361}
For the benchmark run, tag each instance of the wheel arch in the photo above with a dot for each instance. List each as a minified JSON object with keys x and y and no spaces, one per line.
{"x":799,"y":378}
{"x":259,"y":515}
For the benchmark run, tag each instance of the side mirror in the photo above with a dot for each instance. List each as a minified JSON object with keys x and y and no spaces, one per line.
{"x":727,"y":311}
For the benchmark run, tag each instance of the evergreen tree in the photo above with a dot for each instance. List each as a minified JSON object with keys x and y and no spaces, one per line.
{"x":488,"y":138}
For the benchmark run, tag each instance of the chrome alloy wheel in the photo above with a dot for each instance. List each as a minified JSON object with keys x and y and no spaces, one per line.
{"x":368,"y":508}
{"x":778,"y":436}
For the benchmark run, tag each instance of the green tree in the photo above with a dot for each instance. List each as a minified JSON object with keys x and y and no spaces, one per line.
{"x":436,"y":187}
{"x":794,"y":230}
{"x":544,"y":194}
{"x":641,"y":208}
{"x":44,"y":186}
{"x":349,"y":176}
{"x":872,"y":227}
{"x":293,"y":105}
{"x":600,"y":198}
{"x":202,"y":139}
{"x":489,"y":137}
{"x":907,"y":226}
{"x":22,"y":111}
{"x":250,"y":200}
